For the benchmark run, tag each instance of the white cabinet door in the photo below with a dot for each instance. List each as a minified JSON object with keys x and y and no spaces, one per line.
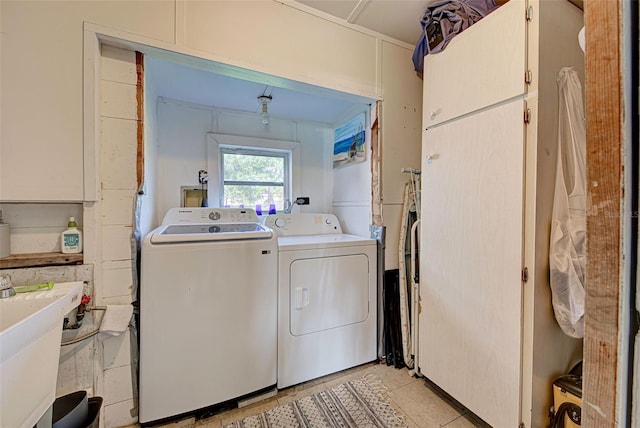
{"x":483,"y":65}
{"x":471,"y":260}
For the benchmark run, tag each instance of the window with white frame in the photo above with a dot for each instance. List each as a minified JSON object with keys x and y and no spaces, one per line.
{"x":255,"y":177}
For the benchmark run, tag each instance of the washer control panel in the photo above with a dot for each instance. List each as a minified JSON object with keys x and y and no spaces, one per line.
{"x":210,"y":215}
{"x":303,"y":224}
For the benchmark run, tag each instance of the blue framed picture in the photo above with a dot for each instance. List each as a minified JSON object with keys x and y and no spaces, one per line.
{"x":348,"y":143}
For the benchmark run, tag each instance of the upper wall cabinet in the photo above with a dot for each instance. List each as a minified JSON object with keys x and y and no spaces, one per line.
{"x":41,"y":141}
{"x":468,"y":78}
{"x":270,"y":37}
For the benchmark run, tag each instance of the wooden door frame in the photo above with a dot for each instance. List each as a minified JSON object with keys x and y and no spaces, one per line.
{"x":608,"y":232}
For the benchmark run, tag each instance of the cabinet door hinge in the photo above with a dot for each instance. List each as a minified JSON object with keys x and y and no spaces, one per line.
{"x":528,"y":77}
{"x":521,"y":425}
{"x":525,"y":274}
{"x":529,"y":13}
{"x":527,"y":115}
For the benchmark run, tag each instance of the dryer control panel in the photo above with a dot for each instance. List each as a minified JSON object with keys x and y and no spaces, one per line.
{"x":303,"y":224}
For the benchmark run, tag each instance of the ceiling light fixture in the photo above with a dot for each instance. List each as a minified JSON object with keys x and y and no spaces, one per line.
{"x":264,"y":100}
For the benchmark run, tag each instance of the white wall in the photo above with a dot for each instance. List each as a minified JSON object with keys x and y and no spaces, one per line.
{"x":401,"y":130}
{"x":182,"y":150}
{"x":352,"y":187}
{"x":42,"y":84}
{"x":112,"y":219}
{"x":273,"y":37}
{"x":118,"y":143}
{"x":149,"y":199}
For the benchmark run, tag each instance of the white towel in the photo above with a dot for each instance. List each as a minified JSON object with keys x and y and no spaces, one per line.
{"x":116,"y":319}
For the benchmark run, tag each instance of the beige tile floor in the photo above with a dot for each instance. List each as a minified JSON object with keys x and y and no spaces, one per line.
{"x":411,"y":397}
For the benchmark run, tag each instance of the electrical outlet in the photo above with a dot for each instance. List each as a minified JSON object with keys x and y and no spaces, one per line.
{"x":302,"y":200}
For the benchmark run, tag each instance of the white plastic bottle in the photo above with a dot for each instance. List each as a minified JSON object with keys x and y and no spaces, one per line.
{"x":71,"y":239}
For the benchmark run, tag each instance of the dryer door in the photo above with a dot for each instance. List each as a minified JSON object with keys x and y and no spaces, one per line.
{"x":328,"y":292}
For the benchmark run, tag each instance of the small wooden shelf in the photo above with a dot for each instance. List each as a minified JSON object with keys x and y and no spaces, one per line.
{"x":40,"y":259}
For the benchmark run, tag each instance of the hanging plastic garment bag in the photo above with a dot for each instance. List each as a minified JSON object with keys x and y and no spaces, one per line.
{"x":567,"y":250}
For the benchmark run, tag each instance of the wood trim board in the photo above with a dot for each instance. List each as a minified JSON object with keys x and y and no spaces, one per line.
{"x":604,"y":112}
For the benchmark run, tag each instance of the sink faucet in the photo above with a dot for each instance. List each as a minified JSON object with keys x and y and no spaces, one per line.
{"x":6,"y":287}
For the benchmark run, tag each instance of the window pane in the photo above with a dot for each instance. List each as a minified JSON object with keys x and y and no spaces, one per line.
{"x":250,"y":196}
{"x":243,"y":167}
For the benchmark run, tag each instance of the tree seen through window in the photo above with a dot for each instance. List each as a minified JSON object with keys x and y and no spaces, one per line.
{"x":254,"y":177}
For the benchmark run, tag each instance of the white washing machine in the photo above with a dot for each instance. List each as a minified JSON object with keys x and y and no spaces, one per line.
{"x":326,"y":297}
{"x":208,"y":311}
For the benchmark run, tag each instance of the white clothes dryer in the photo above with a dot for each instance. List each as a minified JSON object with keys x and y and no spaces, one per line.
{"x":327,"y":297}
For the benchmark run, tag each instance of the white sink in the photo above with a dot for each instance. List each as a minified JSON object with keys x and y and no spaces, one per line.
{"x":30,"y":335}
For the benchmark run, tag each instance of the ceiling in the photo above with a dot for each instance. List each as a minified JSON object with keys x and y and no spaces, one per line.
{"x":291,"y":100}
{"x":399,"y":19}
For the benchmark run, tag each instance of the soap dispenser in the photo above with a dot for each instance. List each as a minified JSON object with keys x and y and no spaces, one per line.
{"x":71,"y":239}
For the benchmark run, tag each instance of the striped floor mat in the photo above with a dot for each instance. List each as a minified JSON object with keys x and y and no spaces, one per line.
{"x":356,"y":403}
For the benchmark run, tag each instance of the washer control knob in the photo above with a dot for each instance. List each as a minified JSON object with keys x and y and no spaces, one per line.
{"x":214,"y":215}
{"x":280,"y":222}
{"x":327,"y":221}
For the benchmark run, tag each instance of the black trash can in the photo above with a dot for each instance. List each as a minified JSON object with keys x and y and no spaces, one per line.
{"x":75,"y":410}
{"x":93,"y":417}
{"x":70,"y":411}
